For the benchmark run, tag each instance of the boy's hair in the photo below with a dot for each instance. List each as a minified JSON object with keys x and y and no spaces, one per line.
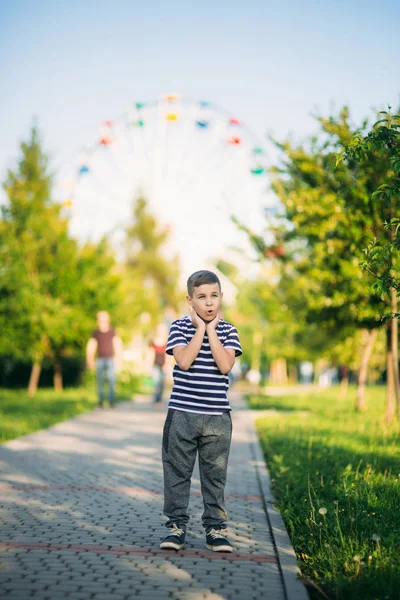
{"x":200,"y":278}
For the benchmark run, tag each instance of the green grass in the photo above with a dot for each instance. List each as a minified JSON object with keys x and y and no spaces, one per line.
{"x":336,"y":477}
{"x":20,"y":414}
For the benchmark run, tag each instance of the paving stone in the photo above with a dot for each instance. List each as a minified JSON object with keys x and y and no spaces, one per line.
{"x":79,"y":596}
{"x":18,"y":595}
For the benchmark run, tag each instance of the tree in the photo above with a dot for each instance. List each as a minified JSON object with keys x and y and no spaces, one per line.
{"x":382,"y":255}
{"x":48,"y":284}
{"x":328,"y":218}
{"x":26,"y":217}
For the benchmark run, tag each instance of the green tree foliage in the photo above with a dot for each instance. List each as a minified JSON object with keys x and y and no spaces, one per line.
{"x":382,"y":253}
{"x":329,"y":215}
{"x":26,"y":219}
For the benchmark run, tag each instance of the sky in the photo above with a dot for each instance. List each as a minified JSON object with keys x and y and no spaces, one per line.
{"x":274,"y":65}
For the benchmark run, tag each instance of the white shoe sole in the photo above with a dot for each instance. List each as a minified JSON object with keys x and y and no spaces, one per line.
{"x":170,"y":546}
{"x":220,"y":548}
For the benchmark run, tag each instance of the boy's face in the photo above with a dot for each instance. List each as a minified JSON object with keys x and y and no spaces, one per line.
{"x":206,"y":300}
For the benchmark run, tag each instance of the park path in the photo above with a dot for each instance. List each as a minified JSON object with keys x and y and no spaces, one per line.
{"x":81,"y":516}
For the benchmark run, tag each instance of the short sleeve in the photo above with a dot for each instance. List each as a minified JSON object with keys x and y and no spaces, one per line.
{"x":232,"y":341}
{"x":175,"y":338}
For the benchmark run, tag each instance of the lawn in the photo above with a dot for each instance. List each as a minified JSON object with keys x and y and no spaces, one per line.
{"x":20,"y":414}
{"x":336,"y":477}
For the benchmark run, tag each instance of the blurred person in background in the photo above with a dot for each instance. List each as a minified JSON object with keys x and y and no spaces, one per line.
{"x":106,"y":346}
{"x":159,"y":346}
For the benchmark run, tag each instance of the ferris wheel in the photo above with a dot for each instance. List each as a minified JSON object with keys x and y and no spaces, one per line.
{"x":196,"y":164}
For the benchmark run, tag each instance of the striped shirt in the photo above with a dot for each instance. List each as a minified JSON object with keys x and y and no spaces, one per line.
{"x":202,"y":388}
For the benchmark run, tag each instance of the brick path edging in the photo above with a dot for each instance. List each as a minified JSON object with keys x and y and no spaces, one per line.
{"x":294,"y":588}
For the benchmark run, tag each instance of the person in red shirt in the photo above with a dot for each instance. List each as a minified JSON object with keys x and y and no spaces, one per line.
{"x":108,"y":346}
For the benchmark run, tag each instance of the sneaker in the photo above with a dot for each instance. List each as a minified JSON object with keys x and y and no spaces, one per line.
{"x":216,"y":541}
{"x":175,"y":539}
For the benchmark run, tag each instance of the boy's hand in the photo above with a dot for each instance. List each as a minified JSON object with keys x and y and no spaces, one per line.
{"x":213,"y":324}
{"x":197,"y":322}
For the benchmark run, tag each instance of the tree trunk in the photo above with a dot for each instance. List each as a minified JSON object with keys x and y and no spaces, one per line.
{"x":278,"y":373}
{"x":256,"y":354}
{"x":34,"y":378}
{"x":390,"y":393}
{"x":319,"y":366}
{"x":395,"y":350}
{"x":57,"y":379}
{"x":370,"y":337}
{"x":293,"y":377}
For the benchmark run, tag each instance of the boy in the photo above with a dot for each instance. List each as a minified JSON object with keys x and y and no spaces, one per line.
{"x":199,"y":420}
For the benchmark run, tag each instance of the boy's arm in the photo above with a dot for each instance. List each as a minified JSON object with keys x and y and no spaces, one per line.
{"x":185,"y":355}
{"x":224,"y":357}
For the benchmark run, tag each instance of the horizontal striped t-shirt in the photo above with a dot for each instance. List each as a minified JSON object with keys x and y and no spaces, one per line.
{"x":202,"y":388}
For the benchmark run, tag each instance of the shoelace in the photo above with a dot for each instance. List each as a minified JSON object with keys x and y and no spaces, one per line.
{"x":216,"y":534}
{"x":175,"y":530}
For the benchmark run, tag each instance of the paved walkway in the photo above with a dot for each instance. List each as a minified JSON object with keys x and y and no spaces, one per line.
{"x":81,"y":517}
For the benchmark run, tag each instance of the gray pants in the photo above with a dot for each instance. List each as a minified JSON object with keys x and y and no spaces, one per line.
{"x":184,"y":435}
